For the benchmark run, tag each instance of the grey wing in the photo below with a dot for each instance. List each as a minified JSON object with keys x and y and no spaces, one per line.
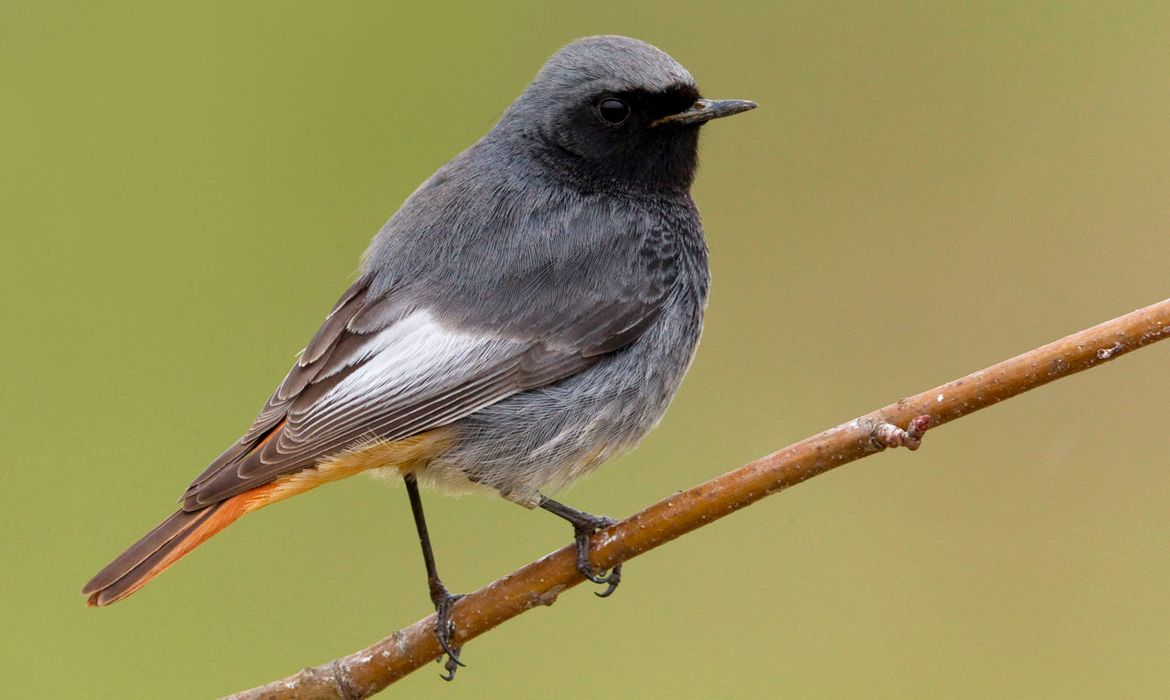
{"x":383,"y":368}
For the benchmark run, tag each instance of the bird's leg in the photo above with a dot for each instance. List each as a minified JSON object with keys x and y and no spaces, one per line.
{"x":585,"y":524}
{"x":442,"y":599}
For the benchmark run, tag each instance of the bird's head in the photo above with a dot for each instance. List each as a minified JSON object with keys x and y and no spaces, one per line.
{"x":616,"y":110}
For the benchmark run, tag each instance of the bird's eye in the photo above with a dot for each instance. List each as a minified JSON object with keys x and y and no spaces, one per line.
{"x":613,"y":111}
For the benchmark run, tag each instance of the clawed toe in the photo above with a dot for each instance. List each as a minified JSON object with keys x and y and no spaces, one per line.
{"x":581,"y":534}
{"x":585,"y":524}
{"x":445,"y":633}
{"x":611,"y":581}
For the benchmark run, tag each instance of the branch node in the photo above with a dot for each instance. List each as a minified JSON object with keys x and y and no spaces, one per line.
{"x":1109,"y":352}
{"x":550,"y":596}
{"x":885,"y":434}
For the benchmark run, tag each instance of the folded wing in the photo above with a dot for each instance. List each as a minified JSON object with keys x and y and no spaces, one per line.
{"x":382,"y":368}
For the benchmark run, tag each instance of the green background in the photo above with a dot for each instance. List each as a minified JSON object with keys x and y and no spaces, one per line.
{"x":926,"y":189}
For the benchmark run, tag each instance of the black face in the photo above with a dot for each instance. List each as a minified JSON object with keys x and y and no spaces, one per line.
{"x":611,"y":137}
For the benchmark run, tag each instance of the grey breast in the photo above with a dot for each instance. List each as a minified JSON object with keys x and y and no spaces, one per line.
{"x":579,"y":245}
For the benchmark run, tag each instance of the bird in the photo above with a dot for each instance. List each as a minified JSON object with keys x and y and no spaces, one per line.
{"x":527,"y":314}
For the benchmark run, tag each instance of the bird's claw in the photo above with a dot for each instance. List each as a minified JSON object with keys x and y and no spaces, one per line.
{"x":445,"y":633}
{"x":581,"y":533}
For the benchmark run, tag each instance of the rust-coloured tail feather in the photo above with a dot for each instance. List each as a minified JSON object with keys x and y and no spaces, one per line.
{"x":161,"y":547}
{"x":187,"y":529}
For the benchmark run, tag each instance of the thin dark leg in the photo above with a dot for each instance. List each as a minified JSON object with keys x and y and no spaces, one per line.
{"x":442,"y":599}
{"x":585,"y":524}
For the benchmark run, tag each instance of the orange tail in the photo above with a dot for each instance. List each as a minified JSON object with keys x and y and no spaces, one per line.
{"x":166,"y":544}
{"x":186,"y":530}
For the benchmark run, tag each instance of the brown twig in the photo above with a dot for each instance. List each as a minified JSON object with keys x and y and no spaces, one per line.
{"x":368,"y":671}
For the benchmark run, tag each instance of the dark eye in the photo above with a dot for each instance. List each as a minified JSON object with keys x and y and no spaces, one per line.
{"x":613,"y":111}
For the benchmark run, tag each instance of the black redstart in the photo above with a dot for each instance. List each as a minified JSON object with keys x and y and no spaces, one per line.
{"x":528,"y":313}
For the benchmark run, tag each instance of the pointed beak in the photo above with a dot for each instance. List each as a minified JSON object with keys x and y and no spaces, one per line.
{"x":704,"y":111}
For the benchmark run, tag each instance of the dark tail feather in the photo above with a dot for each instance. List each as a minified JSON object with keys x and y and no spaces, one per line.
{"x":157,"y":550}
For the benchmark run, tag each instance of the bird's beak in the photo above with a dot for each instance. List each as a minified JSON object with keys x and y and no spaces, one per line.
{"x":704,"y":111}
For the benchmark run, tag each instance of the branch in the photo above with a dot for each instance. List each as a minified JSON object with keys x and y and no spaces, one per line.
{"x":368,"y":671}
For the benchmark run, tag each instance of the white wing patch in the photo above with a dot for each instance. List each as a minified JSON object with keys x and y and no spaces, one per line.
{"x":415,"y":355}
{"x":417,"y":362}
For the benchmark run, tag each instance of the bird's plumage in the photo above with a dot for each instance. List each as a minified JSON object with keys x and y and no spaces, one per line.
{"x":495,"y":277}
{"x":539,"y":298}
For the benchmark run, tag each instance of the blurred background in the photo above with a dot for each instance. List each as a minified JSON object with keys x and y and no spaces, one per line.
{"x":926,"y":188}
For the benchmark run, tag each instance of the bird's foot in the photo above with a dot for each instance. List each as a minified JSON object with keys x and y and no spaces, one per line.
{"x":585,"y":524}
{"x":445,"y":633}
{"x":581,"y":531}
